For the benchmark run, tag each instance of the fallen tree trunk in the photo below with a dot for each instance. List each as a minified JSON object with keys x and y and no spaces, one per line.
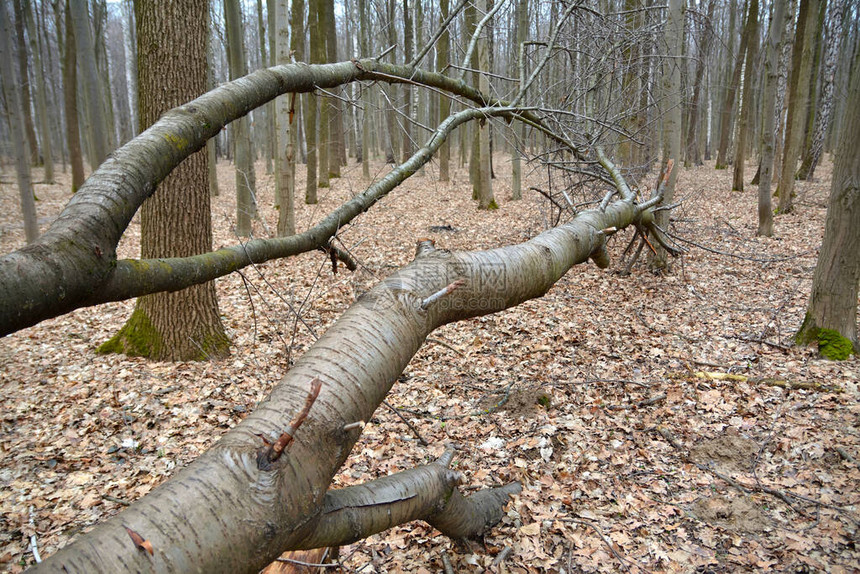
{"x":249,"y":497}
{"x":227,"y":512}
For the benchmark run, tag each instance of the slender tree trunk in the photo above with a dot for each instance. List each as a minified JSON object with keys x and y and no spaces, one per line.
{"x":825,"y":102}
{"x":366,"y":115}
{"x":266,"y":112}
{"x":768,"y":130}
{"x":672,"y":125}
{"x":243,"y":153}
{"x":522,"y":34}
{"x":16,"y":127}
{"x":131,"y":63}
{"x":813,"y":110}
{"x":24,"y":77}
{"x":831,"y":317}
{"x":41,"y":94}
{"x":745,"y":128}
{"x":693,"y":154}
{"x":285,"y":176}
{"x":727,"y":117}
{"x":798,"y":101}
{"x":97,"y":125}
{"x":390,"y":92}
{"x":485,"y":185}
{"x":175,"y":220}
{"x":70,"y":100}
{"x":337,"y":141}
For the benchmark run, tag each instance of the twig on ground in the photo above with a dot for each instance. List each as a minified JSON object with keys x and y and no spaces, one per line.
{"x":407,"y":423}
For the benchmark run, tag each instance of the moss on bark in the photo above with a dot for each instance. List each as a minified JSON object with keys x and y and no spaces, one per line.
{"x":137,"y":338}
{"x":831,"y":344}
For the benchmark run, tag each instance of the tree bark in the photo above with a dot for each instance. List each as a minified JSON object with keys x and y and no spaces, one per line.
{"x":366,"y":115}
{"x":768,"y":130}
{"x":239,"y":482}
{"x":175,"y":221}
{"x":522,"y":31}
{"x":727,"y":117}
{"x":24,"y":77}
{"x":70,"y":101}
{"x":97,"y":127}
{"x":672,"y":126}
{"x":41,"y":95}
{"x":825,"y":102}
{"x":337,"y":143}
{"x":16,"y":127}
{"x":831,"y":317}
{"x":285,"y":164}
{"x":246,"y":207}
{"x":798,"y":101}
{"x":75,"y":265}
{"x":692,"y":155}
{"x":745,"y":127}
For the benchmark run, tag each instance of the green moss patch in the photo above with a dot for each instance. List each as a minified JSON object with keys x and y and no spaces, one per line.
{"x":137,"y":338}
{"x":833,"y":346}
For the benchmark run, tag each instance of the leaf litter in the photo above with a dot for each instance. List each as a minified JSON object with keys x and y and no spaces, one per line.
{"x":657,"y":423}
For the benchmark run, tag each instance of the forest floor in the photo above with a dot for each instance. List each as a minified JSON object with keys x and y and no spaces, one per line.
{"x":658,"y":423}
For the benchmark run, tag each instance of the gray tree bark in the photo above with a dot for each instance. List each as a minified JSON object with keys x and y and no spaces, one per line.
{"x":16,"y":126}
{"x":672,"y":125}
{"x":24,"y":83}
{"x":798,"y":101}
{"x":41,"y":95}
{"x":70,"y":101}
{"x":745,"y":128}
{"x":246,"y":208}
{"x":768,"y":130}
{"x":831,"y":317}
{"x":176,"y":221}
{"x":97,"y":127}
{"x":285,"y":164}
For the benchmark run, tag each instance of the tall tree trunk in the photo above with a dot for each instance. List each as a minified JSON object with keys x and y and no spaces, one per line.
{"x":70,"y":101}
{"x":672,"y":125}
{"x":485,"y":182}
{"x":337,"y":141}
{"x":831,"y":317}
{"x":727,"y":116}
{"x":366,"y":115}
{"x":318,"y":56}
{"x":745,"y":128}
{"x":16,"y":127}
{"x":131,"y":62}
{"x":244,"y":157}
{"x":693,"y":155}
{"x":825,"y":102}
{"x":813,"y":110}
{"x":267,"y":112}
{"x":175,"y":221}
{"x":522,"y":34}
{"x":312,"y":137}
{"x":24,"y":77}
{"x":41,"y":94}
{"x":390,"y":92}
{"x":768,"y":130}
{"x":798,"y":101}
{"x":406,"y":91}
{"x":285,"y":176}
{"x":97,"y":126}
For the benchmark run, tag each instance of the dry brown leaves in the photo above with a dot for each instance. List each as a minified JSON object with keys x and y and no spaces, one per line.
{"x":580,"y":374}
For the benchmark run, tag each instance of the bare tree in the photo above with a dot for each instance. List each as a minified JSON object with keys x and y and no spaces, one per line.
{"x":768,"y":130}
{"x":798,"y":100}
{"x":831,"y":317}
{"x":16,"y":124}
